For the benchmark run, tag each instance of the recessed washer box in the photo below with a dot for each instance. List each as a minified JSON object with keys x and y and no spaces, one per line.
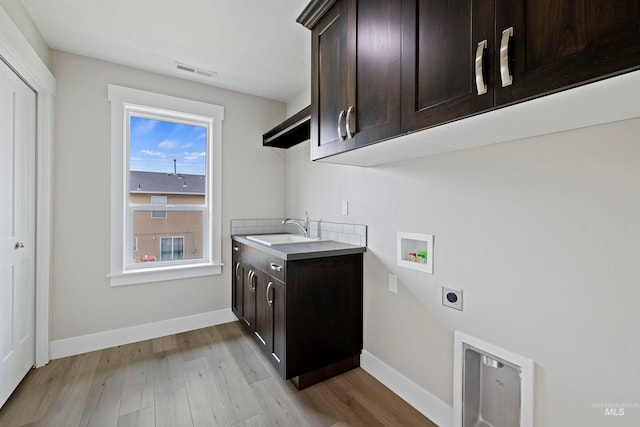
{"x":415,"y":251}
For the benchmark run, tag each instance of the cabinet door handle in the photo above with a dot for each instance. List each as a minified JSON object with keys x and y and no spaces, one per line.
{"x":347,"y":121}
{"x":237,"y":267}
{"x":250,"y":276}
{"x":269,"y":286}
{"x":340,"y":117}
{"x":505,"y":75}
{"x":275,"y":267}
{"x":480,"y":84}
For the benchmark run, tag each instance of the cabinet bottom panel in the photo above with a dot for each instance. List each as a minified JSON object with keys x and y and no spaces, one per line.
{"x":313,"y":377}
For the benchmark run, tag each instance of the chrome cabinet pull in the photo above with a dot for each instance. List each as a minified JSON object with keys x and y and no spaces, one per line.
{"x":505,"y":75}
{"x":480,"y":84}
{"x":250,"y":276}
{"x":347,"y":120}
{"x":275,"y":267}
{"x":237,"y":267}
{"x":340,"y":117}
{"x":18,"y":245}
{"x":269,"y":286}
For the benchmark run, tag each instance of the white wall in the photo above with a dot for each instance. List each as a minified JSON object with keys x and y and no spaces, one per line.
{"x":20,"y":17}
{"x":253,"y":176}
{"x":542,"y":236}
{"x":300,"y":101}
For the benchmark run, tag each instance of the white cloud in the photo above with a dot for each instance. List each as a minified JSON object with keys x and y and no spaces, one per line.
{"x":153,"y":153}
{"x":145,"y":126}
{"x":194,"y":156}
{"x":168,"y":144}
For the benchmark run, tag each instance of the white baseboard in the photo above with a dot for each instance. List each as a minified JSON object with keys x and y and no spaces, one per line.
{"x":428,"y":404}
{"x":101,"y":340}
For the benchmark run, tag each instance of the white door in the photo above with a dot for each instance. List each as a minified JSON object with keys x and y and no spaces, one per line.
{"x":17,"y":230}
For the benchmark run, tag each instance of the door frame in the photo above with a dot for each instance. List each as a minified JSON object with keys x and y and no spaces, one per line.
{"x":16,"y":51}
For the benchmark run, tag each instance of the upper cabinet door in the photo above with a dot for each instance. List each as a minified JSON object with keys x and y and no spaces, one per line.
{"x":355,"y":73}
{"x":377,"y":85}
{"x":557,"y":44}
{"x":332,"y":77}
{"x":440,"y":74}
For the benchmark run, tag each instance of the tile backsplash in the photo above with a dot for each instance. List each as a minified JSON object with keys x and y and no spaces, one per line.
{"x":354,"y":234}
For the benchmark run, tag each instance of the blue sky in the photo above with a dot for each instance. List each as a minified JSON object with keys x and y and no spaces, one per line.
{"x":154,"y":144}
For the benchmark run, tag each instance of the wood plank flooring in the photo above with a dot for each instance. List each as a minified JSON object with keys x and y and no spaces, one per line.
{"x":209,"y":377}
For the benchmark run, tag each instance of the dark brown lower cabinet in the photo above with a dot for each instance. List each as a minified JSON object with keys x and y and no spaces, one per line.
{"x":243,"y":300}
{"x":270,"y":315}
{"x":306,"y":314}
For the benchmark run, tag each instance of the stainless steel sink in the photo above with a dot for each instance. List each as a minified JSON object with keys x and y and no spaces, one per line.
{"x":281,"y":239}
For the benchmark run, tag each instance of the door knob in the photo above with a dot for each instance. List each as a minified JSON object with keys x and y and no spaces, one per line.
{"x":18,"y":245}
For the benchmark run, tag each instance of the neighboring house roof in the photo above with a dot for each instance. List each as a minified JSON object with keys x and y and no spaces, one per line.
{"x":166,"y":183}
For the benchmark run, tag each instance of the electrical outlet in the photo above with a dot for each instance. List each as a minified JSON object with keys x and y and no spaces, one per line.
{"x":452,"y":298}
{"x":393,"y":283}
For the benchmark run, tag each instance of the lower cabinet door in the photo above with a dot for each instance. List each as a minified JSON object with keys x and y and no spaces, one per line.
{"x":264,"y":318}
{"x":270,"y":318}
{"x":277,"y":303}
{"x":248,"y":296}
{"x":237,"y":286}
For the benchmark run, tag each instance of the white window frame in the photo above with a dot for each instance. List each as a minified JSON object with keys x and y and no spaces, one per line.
{"x":121,"y":272}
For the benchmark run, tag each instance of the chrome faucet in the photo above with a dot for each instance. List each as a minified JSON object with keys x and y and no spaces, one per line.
{"x":304,"y":228}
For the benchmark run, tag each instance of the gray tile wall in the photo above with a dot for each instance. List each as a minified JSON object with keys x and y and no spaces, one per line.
{"x":354,"y":234}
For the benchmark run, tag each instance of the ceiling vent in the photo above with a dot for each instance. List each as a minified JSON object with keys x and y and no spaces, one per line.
{"x":195,"y":70}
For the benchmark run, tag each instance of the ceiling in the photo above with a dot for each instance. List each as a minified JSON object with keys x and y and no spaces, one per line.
{"x":251,"y":46}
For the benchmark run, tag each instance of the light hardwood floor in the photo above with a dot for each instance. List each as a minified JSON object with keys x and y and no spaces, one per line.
{"x":209,"y":377}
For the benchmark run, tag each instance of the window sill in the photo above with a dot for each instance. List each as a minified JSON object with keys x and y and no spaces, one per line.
{"x":161,"y":274}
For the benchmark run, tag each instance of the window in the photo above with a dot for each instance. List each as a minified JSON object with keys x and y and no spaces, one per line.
{"x":164,"y":151}
{"x":171,"y":248}
{"x":161,"y":200}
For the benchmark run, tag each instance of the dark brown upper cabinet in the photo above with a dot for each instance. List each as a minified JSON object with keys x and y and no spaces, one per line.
{"x":462,"y":57}
{"x":355,"y":73}
{"x":456,"y":59}
{"x":439,"y":60}
{"x":559,"y":44}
